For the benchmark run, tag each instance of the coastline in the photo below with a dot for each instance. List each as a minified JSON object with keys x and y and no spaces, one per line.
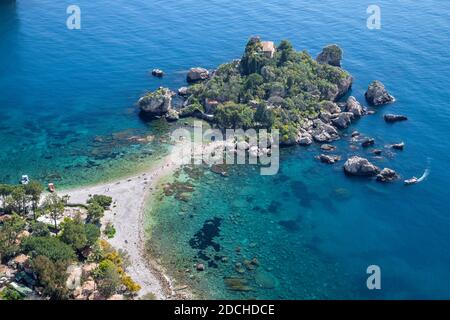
{"x":130,"y":196}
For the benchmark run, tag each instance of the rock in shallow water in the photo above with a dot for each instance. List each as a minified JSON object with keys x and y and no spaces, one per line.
{"x":387,"y":175}
{"x":197,"y":74}
{"x":331,"y":55}
{"x":377,"y":94}
{"x":354,"y":107}
{"x":368,"y":143}
{"x":357,"y":166}
{"x":329,"y":159}
{"x":394,"y":117}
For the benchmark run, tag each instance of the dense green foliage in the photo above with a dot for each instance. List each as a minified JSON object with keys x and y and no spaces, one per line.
{"x":51,"y":247}
{"x":52,"y":275}
{"x":278,"y":92}
{"x":100,"y":199}
{"x":9,"y":233}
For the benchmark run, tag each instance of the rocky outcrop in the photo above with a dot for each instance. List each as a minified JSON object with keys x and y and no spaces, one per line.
{"x":377,"y":152}
{"x":398,"y":146}
{"x":157,"y":103}
{"x":329,"y":159}
{"x":183,"y":91}
{"x":157,"y":73}
{"x":331,"y":55}
{"x":394,"y":117}
{"x":327,"y":147}
{"x":387,"y":175}
{"x":323,"y":132}
{"x":377,"y":94}
{"x":357,"y":166}
{"x":305,"y":139}
{"x":197,"y":74}
{"x":353,"y":106}
{"x":368,"y":142}
{"x":343,"y":120}
{"x":330,"y":107}
{"x":172,"y":115}
{"x":344,"y":86}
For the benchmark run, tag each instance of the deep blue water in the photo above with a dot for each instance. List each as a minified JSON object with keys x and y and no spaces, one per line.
{"x":67,"y":110}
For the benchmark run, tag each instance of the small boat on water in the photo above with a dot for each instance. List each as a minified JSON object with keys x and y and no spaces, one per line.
{"x":51,"y":187}
{"x":25,"y":179}
{"x":413,"y":180}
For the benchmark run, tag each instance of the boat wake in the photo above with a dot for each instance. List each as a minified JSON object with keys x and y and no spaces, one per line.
{"x":425,"y":174}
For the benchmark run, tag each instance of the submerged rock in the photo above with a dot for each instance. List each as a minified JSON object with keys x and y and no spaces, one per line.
{"x":327,"y":147}
{"x":197,"y":74}
{"x":200,"y":267}
{"x":394,"y":117}
{"x":387,"y":175}
{"x":368,"y":142}
{"x":377,"y":152}
{"x":237,"y":284}
{"x":331,"y":55}
{"x":329,"y":159}
{"x":377,"y":94}
{"x":357,"y":166}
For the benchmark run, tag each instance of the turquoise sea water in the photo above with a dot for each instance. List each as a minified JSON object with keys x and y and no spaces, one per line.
{"x":67,"y":114}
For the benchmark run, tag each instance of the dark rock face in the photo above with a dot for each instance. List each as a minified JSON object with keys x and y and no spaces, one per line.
{"x":398,"y":146}
{"x":197,"y":74}
{"x":377,"y":94}
{"x":394,"y":117}
{"x":387,"y":175}
{"x":343,"y":120}
{"x":368,"y":143}
{"x":329,"y":159}
{"x":377,"y":152}
{"x":327,"y":147}
{"x":157,"y":103}
{"x":344,"y":87}
{"x":157,"y":73}
{"x":357,"y":166}
{"x":331,"y":55}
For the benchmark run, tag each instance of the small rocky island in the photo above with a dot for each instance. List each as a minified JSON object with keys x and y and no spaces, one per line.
{"x":276,"y":87}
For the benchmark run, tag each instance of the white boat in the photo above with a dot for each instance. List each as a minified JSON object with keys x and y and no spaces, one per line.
{"x":24,"y":179}
{"x":413,"y":180}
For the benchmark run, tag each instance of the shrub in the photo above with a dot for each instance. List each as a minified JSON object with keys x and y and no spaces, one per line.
{"x":102,"y":200}
{"x":10,"y":294}
{"x":109,"y":231}
{"x":51,"y":247}
{"x":95,"y":212}
{"x":52,"y":275}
